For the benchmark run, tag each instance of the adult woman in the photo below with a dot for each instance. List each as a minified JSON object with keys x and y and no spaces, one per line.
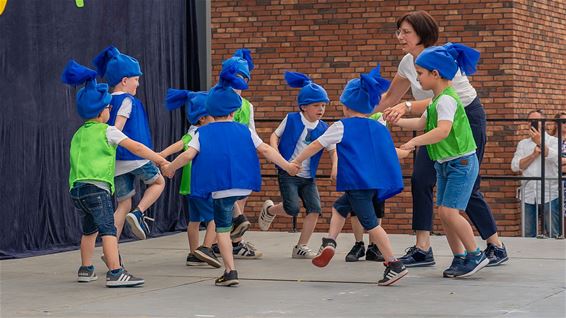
{"x":415,"y":32}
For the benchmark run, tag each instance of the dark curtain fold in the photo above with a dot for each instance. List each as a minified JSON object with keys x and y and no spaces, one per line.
{"x":37,"y":111}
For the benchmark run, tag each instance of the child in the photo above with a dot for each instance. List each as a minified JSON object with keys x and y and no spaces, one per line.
{"x":368,"y":169}
{"x":200,"y":210}
{"x":358,"y":250}
{"x":91,"y":179}
{"x":293,"y":135}
{"x":128,"y":115}
{"x":243,"y":63}
{"x":449,"y":142}
{"x":226,"y":165}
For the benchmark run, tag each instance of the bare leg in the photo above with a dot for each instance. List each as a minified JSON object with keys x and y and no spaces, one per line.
{"x":87,"y":248}
{"x":336,"y":224}
{"x":423,"y":240}
{"x":309,"y":223}
{"x":152,"y":193}
{"x":210,"y":234}
{"x":123,"y":208}
{"x":357,"y":228}
{"x":225,"y":246}
{"x":379,"y":237}
{"x":110,"y":250}
{"x":193,"y":235}
{"x":458,"y":224}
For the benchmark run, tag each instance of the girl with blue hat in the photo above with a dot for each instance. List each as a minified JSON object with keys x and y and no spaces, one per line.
{"x":449,"y":142}
{"x":91,"y":179}
{"x":200,"y":210}
{"x":128,"y":114}
{"x":368,"y":169}
{"x":295,"y":133}
{"x":225,"y":164}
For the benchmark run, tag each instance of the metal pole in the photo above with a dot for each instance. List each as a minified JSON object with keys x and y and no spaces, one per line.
{"x":542,"y":129}
{"x":560,"y":177}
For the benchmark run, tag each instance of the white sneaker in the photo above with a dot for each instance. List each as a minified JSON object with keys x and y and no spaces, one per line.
{"x":265,"y":218}
{"x":303,"y":251}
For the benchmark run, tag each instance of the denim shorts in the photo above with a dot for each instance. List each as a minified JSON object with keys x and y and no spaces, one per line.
{"x":124,"y":183}
{"x":200,"y":210}
{"x":455,"y":181}
{"x":293,"y":188}
{"x":379,"y":208}
{"x":223,"y":209}
{"x":96,"y":208}
{"x":364,"y":202}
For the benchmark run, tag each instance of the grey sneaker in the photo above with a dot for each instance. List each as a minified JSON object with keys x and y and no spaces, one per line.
{"x":122,"y":279}
{"x":86,"y":274}
{"x":206,"y":254}
{"x":246,"y":250}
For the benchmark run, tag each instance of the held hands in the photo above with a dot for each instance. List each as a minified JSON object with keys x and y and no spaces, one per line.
{"x":293,"y":168}
{"x":393,"y":114}
{"x":409,"y":145}
{"x":403,"y":153}
{"x":167,"y":170}
{"x":536,"y":151}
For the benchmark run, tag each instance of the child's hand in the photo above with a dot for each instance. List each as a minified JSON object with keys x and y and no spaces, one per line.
{"x":167,"y":171}
{"x":410,"y":145}
{"x":293,"y":168}
{"x":334,"y":173}
{"x":402,"y":153}
{"x":393,"y":114}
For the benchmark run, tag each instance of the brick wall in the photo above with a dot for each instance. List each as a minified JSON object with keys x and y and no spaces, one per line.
{"x":333,"y":41}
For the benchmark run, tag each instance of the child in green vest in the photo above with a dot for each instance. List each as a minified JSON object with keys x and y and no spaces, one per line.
{"x":449,"y":141}
{"x":91,"y":179}
{"x":200,"y":210}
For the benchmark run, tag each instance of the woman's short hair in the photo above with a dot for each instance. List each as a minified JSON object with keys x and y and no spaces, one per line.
{"x":424,"y":24}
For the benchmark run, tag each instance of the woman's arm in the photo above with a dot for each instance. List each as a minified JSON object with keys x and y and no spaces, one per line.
{"x":398,"y":88}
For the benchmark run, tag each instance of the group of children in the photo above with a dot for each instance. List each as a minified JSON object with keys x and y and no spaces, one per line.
{"x":221,"y":165}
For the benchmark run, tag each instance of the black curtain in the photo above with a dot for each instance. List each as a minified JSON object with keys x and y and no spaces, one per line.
{"x":37,"y":111}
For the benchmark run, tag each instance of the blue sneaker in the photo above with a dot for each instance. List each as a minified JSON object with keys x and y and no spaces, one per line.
{"x":415,"y":257}
{"x":456,"y":263}
{"x":496,"y":255}
{"x":472,"y":264}
{"x":136,"y":220}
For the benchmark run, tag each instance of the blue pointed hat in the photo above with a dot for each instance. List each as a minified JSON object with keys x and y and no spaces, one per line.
{"x":222,"y":99}
{"x":92,"y":98}
{"x":364,"y":93}
{"x":310,"y":91}
{"x":195,"y":103}
{"x":447,"y":59}
{"x":242,"y":60}
{"x":113,"y":65}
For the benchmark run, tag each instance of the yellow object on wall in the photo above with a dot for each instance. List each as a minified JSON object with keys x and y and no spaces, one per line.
{"x":2,"y":6}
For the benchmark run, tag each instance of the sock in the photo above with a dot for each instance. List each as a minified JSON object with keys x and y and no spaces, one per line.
{"x":234,"y":244}
{"x":461,"y":255}
{"x":391,"y":259}
{"x":476,"y":252}
{"x":115,"y":271}
{"x":89,"y":267}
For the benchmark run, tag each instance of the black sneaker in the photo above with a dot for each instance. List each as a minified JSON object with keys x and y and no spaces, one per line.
{"x":137,"y":221}
{"x":325,"y":253}
{"x":227,"y":279}
{"x":192,"y":260}
{"x":374,"y":254}
{"x":216,"y":249}
{"x":122,"y":279}
{"x":496,"y":255}
{"x":457,"y":262}
{"x":393,"y":272}
{"x":245,"y":250}
{"x":240,"y":226}
{"x":206,"y":254}
{"x":415,"y":257}
{"x":86,"y":274}
{"x":358,"y":251}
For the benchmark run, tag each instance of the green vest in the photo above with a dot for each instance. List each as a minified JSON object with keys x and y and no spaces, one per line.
{"x":185,"y":187}
{"x":460,"y":140}
{"x":376,"y":116}
{"x":92,"y":157}
{"x":242,"y":115}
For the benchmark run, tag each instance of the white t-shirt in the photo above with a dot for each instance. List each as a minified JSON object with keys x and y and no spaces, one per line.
{"x":461,"y":84}
{"x":114,"y":137}
{"x":125,"y":166}
{"x":252,"y":122}
{"x":195,"y":143}
{"x":303,"y":142}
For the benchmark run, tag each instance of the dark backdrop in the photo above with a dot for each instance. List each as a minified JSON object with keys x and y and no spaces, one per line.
{"x":37,"y":111}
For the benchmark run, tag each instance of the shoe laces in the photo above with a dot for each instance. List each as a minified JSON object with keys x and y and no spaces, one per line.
{"x":411,"y":250}
{"x":248,"y":246}
{"x":490,"y":251}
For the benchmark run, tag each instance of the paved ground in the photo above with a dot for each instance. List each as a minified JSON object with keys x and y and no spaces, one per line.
{"x":531,"y":284}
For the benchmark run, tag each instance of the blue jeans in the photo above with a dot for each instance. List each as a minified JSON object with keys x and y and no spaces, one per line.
{"x":200,"y":210}
{"x":549,"y":209}
{"x":96,"y":207}
{"x":293,"y":188}
{"x":223,"y":213}
{"x":125,"y":187}
{"x":363,"y":202}
{"x":424,"y":179}
{"x":455,"y":181}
